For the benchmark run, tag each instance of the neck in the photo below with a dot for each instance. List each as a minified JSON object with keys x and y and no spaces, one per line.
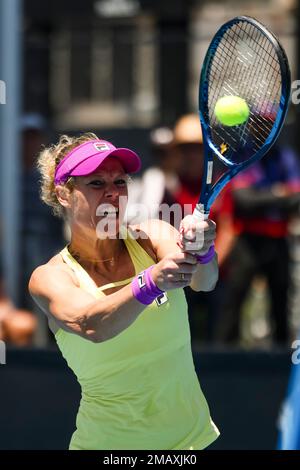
{"x":92,"y":251}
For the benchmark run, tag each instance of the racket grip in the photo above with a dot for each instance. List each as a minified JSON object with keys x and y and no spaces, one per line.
{"x":199,"y":213}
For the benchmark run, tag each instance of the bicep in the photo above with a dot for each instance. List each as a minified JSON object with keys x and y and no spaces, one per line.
{"x":56,"y":294}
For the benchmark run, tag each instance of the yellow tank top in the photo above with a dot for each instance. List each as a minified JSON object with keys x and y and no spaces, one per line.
{"x":139,"y":389}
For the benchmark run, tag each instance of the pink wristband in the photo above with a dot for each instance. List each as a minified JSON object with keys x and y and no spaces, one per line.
{"x":204,"y":259}
{"x":143,"y":287}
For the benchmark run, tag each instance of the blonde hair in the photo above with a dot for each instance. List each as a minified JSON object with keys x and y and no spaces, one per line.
{"x":47,"y":162}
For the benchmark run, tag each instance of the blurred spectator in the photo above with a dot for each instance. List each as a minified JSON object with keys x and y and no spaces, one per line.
{"x":158,"y":182}
{"x":5,"y":307}
{"x":17,"y":327}
{"x":188,"y":146}
{"x":264,"y":197}
{"x":175,"y":178}
{"x":41,"y":232}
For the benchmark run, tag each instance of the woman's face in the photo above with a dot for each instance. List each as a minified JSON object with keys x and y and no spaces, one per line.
{"x":99,"y":200}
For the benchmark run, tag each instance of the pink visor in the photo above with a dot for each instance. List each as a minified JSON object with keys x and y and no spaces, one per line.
{"x":85,"y":159}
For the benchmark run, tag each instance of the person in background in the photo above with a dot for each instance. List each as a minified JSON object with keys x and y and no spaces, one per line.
{"x":17,"y":326}
{"x":189,"y":152}
{"x":188,"y":149}
{"x":158,"y":183}
{"x":41,"y":232}
{"x":264,"y":198}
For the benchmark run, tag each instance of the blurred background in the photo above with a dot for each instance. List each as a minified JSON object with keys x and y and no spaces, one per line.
{"x":128,"y":70}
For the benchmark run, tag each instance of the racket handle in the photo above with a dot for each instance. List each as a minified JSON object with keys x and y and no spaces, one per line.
{"x":199,"y":213}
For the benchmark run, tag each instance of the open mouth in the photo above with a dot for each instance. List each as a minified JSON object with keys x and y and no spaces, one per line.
{"x":107,"y":211}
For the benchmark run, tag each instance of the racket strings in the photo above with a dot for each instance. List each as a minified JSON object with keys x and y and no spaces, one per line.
{"x":241,"y":74}
{"x":243,"y":92}
{"x":245,"y":64}
{"x":264,"y":48}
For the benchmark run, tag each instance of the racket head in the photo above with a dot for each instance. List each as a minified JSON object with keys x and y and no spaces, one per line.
{"x":244,"y":59}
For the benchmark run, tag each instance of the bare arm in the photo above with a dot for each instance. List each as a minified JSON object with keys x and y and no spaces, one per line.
{"x":76,"y":311}
{"x":206,"y":276}
{"x":164,"y":239}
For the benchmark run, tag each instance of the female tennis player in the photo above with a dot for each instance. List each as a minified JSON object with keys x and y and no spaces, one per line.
{"x":116,"y":305}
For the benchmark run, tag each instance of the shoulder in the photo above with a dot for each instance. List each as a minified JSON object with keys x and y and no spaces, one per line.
{"x":55,"y":269}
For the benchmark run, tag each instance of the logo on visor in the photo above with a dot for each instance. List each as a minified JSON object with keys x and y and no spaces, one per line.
{"x":101,"y":146}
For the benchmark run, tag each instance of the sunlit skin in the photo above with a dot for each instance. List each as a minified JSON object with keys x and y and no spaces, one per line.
{"x":107,"y":259}
{"x":105,"y":186}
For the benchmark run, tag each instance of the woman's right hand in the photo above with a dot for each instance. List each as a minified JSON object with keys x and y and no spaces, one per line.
{"x":168,"y":272}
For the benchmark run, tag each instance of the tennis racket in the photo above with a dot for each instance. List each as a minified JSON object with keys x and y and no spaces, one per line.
{"x":246,"y":60}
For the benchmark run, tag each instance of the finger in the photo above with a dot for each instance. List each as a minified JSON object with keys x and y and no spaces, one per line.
{"x":183,"y":274}
{"x":187,"y":279}
{"x":196,"y":246}
{"x":181,"y":284}
{"x":198,"y":235}
{"x":202,"y":237}
{"x":187,"y":269}
{"x":179,"y":243}
{"x":203,"y":250}
{"x":190,"y":233}
{"x":192,"y":246}
{"x":184,"y":257}
{"x":180,"y":268}
{"x":204,"y":225}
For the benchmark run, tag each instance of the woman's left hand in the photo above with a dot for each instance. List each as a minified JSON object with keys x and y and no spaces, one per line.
{"x":195,"y":236}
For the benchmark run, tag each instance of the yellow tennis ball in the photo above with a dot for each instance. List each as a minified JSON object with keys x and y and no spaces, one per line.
{"x":231,"y":110}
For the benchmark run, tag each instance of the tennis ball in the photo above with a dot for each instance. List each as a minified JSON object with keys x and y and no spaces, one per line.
{"x":231,"y":110}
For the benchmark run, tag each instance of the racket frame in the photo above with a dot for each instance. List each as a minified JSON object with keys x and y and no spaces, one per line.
{"x":210,"y":191}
